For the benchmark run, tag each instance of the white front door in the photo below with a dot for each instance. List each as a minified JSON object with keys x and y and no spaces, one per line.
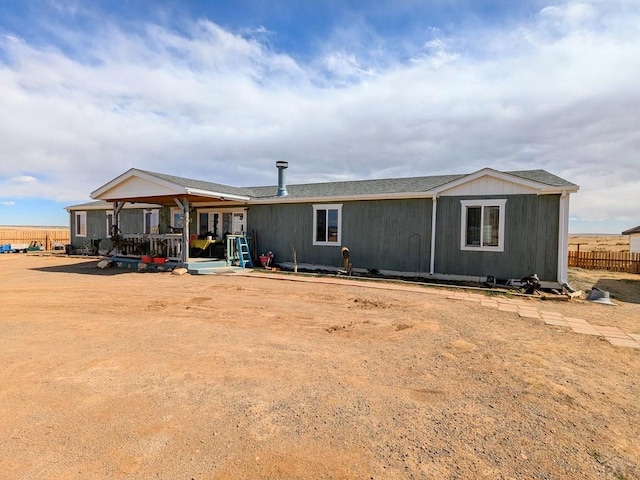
{"x":238,"y":223}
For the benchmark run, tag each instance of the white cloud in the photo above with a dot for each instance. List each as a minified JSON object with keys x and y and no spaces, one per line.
{"x":23,"y":180}
{"x":23,"y":186}
{"x":557,"y":93}
{"x":345,"y":66}
{"x":572,"y":16}
{"x":8,"y":203}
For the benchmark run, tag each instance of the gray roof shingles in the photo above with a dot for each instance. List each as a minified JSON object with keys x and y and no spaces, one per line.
{"x":355,"y":187}
{"x":358,"y":187}
{"x":200,"y":184}
{"x":542,"y":176}
{"x":351,"y":188}
{"x":393,"y":185}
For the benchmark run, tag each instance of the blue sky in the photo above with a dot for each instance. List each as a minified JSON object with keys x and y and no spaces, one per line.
{"x":343,"y":90}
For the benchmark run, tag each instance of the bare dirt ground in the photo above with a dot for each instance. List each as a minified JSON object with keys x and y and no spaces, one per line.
{"x":599,"y":243}
{"x":117,"y":374}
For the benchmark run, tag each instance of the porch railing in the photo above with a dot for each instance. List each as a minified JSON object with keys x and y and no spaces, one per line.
{"x":232,"y":248}
{"x":167,"y":245}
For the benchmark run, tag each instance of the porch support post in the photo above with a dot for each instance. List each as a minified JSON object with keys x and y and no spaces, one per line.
{"x":432,"y":255}
{"x":117,"y":207}
{"x":184,"y":207}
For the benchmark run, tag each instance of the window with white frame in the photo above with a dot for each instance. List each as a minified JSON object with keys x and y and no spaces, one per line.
{"x":81,"y":224}
{"x":151,"y":220}
{"x":219,"y":223}
{"x":110,"y":223}
{"x":177,"y":219}
{"x":208,"y":223}
{"x":482,"y":225}
{"x":327,"y":224}
{"x":238,"y":223}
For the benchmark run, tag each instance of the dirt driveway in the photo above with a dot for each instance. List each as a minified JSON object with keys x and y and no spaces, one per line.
{"x":152,"y":375}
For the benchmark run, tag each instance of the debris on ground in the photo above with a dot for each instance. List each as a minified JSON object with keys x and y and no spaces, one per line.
{"x":599,"y":296}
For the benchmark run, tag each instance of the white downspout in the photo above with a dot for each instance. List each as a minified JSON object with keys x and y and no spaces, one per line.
{"x":432,"y":257}
{"x":563,"y":239}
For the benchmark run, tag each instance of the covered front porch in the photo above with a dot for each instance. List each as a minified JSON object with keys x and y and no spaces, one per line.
{"x":168,"y":249}
{"x":194,"y":223}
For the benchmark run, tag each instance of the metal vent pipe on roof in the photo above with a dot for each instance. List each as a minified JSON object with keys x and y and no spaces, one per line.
{"x":282,"y":186}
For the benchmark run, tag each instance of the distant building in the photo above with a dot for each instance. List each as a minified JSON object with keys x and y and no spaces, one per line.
{"x":634,"y":239}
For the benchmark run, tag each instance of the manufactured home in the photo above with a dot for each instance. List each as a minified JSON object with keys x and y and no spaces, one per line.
{"x":472,"y":226}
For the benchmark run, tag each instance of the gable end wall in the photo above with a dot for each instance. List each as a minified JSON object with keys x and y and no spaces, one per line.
{"x":531,"y":239}
{"x":488,"y":185}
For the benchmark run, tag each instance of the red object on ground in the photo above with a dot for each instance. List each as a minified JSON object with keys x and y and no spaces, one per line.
{"x":265,"y":260}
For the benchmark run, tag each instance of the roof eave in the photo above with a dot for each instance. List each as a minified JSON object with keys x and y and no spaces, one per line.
{"x":340,"y":198}
{"x":98,"y":193}
{"x":127,"y":205}
{"x":220,"y":195}
{"x":632,"y":231}
{"x":542,"y":188}
{"x":558,"y":190}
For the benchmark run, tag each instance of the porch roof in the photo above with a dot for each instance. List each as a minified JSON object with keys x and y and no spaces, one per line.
{"x":151,"y":187}
{"x":104,"y":205}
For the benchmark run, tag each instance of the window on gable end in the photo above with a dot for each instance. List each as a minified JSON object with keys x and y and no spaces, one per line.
{"x":482,"y":225}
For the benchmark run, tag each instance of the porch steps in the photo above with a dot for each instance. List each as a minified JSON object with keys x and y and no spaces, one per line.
{"x":212,"y":267}
{"x":244,"y":256}
{"x":215,"y":270}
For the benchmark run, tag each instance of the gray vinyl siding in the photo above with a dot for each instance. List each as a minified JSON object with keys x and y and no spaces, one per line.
{"x":131,"y":220}
{"x":96,"y":226}
{"x":72,"y":228}
{"x":391,"y":235}
{"x":278,"y":228}
{"x":73,"y":235}
{"x":382,"y":235}
{"x":530,"y":239}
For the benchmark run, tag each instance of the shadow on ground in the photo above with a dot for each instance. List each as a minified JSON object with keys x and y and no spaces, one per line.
{"x":625,"y":290}
{"x":85,"y":268}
